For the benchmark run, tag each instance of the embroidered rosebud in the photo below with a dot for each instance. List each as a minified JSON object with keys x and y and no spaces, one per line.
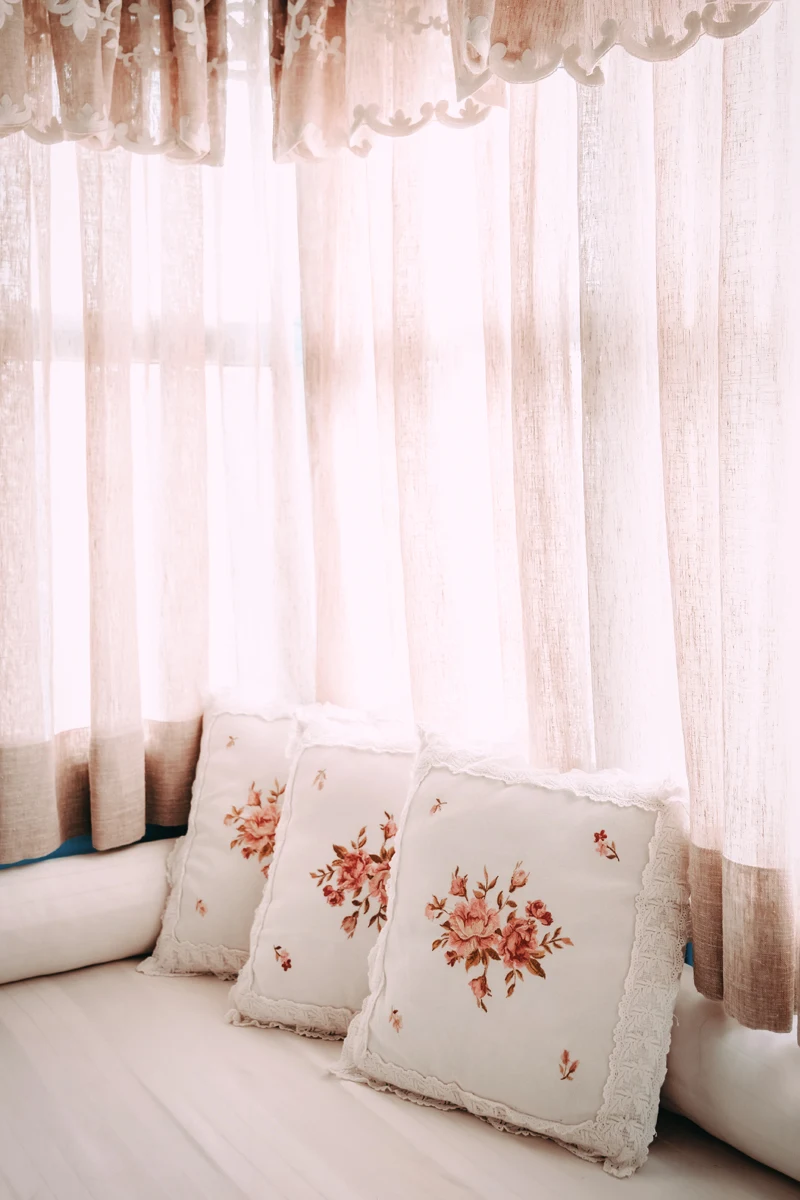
{"x":519,"y":878}
{"x":458,"y":884}
{"x":480,"y":988}
{"x":349,"y":924}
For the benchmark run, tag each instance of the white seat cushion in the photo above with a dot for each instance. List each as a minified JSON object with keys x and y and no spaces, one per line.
{"x":126,"y":1087}
{"x":742,"y":1085}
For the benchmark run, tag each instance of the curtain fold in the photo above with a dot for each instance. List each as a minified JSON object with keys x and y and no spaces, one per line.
{"x":497,"y":431}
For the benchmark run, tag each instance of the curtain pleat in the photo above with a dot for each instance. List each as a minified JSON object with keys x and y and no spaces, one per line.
{"x":116,"y":757}
{"x":547,"y":425}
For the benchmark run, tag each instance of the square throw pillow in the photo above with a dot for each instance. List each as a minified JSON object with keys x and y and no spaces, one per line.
{"x":530,"y":962}
{"x":325,"y":901}
{"x":217,"y":871}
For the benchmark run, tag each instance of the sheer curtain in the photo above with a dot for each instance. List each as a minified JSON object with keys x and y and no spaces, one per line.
{"x":495,"y":426}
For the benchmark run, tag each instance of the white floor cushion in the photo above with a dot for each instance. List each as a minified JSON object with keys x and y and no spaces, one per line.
{"x":218,"y":869}
{"x":742,"y":1085}
{"x":86,"y":908}
{"x":325,"y":901}
{"x":530,"y":963}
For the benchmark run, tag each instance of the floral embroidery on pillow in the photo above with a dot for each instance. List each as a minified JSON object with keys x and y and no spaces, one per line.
{"x":568,"y":1068}
{"x":356,"y":869}
{"x":438,"y":805}
{"x":282,"y":957}
{"x":604,"y":847}
{"x":256,"y":824}
{"x":319,"y":779}
{"x":231,"y":742}
{"x":476,"y":935}
{"x":395,"y":1020}
{"x":201,"y":908}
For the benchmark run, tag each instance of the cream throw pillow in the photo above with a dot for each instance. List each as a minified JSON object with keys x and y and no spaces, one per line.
{"x":325,"y":900}
{"x":530,"y":964}
{"x":217,"y":871}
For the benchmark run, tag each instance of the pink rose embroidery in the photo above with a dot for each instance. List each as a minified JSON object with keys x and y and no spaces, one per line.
{"x":484,"y":929}
{"x":473,"y":929}
{"x":282,"y":957}
{"x":604,"y":847}
{"x":395,"y":1020}
{"x":566,"y":1067}
{"x":518,"y":942}
{"x":256,"y":824}
{"x":353,"y":870}
{"x":378,"y":878}
{"x":537,"y":911}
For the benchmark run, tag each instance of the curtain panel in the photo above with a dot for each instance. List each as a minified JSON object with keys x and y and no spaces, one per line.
{"x":499,"y":431}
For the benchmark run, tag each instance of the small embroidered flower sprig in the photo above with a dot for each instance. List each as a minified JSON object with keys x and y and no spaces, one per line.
{"x":438,"y":806}
{"x":604,"y":847}
{"x":201,"y":908}
{"x":568,"y":1068}
{"x":231,"y":742}
{"x":395,"y":1020}
{"x":282,"y":957}
{"x":319,"y":779}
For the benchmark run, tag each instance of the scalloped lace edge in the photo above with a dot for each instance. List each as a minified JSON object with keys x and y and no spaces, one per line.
{"x":486,"y":61}
{"x":610,"y":786}
{"x":621,"y":1132}
{"x":309,"y":1020}
{"x":356,"y":733}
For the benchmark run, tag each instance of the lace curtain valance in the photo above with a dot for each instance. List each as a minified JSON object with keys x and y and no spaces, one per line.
{"x":145,"y":74}
{"x":150,"y":74}
{"x":347,"y":70}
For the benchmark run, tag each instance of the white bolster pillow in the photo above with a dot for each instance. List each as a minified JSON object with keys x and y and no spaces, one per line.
{"x":71,"y":912}
{"x":741,"y":1085}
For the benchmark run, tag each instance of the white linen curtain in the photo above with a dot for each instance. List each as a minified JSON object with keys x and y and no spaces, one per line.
{"x":498,"y":427}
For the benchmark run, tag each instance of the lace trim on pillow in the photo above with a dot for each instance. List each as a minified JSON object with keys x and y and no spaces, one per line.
{"x":382,"y":737}
{"x":624,"y":1126}
{"x":172,"y":955}
{"x":582,"y":63}
{"x":310,"y":1020}
{"x":615,"y":787}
